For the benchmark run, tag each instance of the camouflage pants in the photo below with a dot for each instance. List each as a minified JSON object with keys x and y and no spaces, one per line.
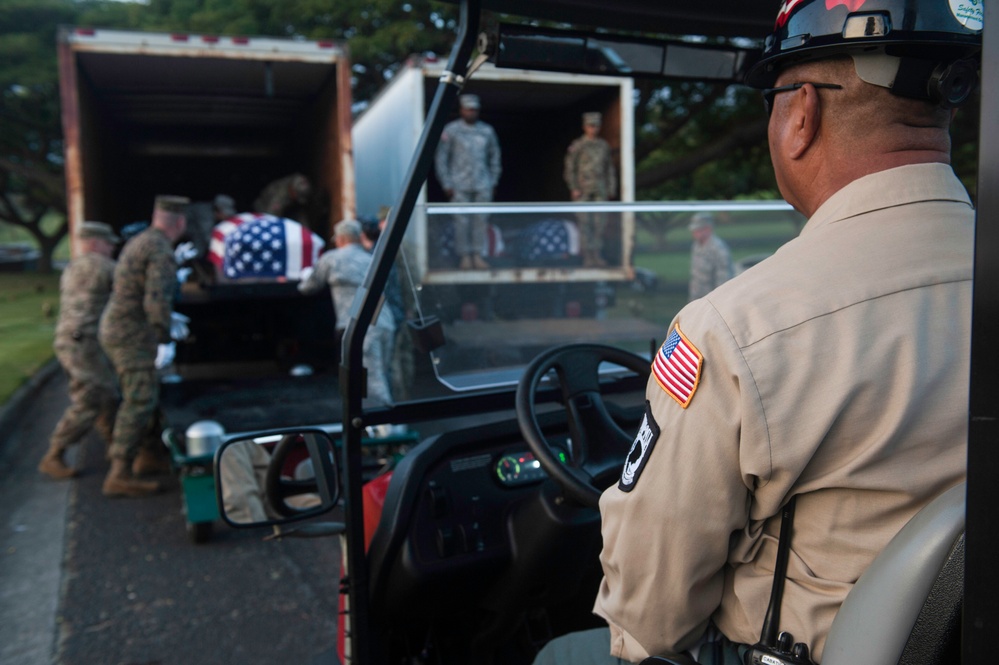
{"x":591,"y":224}
{"x":93,"y":395}
{"x":378,"y":343}
{"x":470,"y":230}
{"x":138,"y":414}
{"x":592,"y":647}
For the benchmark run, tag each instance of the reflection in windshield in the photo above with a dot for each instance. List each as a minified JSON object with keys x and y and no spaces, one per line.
{"x":537,"y":294}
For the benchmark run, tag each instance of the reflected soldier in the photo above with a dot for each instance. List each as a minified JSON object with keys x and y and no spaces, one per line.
{"x":136,"y":320}
{"x":710,"y":259}
{"x":84,"y":289}
{"x":468,"y":167}
{"x":591,"y":176}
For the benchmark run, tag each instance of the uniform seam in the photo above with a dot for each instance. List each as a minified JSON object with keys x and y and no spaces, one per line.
{"x":843,"y":308}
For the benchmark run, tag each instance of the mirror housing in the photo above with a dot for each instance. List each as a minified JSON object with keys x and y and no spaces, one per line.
{"x":276,"y":477}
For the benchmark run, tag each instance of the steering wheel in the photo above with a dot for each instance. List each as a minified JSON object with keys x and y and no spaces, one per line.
{"x":598,"y":445}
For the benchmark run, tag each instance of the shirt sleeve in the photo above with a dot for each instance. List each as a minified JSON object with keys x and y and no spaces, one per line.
{"x":161,"y":278}
{"x":442,"y":161}
{"x":495,"y":159}
{"x":569,"y":171}
{"x":316,"y":280}
{"x":666,"y":534}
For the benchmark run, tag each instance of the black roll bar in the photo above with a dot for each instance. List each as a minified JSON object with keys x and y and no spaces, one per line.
{"x":352,"y":373}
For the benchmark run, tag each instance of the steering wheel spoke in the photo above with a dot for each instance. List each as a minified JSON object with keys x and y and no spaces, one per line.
{"x":599,"y":445}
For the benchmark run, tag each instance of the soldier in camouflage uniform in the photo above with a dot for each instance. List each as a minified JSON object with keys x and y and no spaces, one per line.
{"x":83,"y":293}
{"x":342,"y":271}
{"x":710,"y":260}
{"x":136,"y":320}
{"x":591,"y":176}
{"x":468,"y":167}
{"x":285,"y":197}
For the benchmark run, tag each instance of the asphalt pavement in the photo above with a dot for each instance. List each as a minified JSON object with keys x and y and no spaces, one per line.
{"x":86,"y":580}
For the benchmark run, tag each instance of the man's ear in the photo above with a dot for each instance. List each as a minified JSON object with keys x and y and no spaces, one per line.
{"x":804,"y":116}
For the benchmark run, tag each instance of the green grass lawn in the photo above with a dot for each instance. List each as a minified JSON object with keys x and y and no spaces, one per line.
{"x":29,"y":306}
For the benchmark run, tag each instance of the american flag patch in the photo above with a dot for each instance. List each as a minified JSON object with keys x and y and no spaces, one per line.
{"x":677,"y":367}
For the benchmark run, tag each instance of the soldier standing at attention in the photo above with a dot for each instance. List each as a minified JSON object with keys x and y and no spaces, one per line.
{"x":84,"y":290}
{"x":710,"y":259}
{"x":468,"y":168}
{"x":590,"y":176}
{"x":136,"y":320}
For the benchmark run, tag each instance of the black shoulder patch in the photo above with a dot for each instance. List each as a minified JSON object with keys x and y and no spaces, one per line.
{"x":645,"y":441}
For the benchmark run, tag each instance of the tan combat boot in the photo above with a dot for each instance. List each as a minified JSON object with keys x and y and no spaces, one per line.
{"x":150,"y":463}
{"x":54,"y":466}
{"x":119,"y":481}
{"x":466,"y":262}
{"x":479,"y":263}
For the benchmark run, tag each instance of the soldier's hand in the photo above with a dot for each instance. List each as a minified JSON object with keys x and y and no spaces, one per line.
{"x":165,"y":353}
{"x":178,"y":326}
{"x":306,"y":273}
{"x":185,"y":252}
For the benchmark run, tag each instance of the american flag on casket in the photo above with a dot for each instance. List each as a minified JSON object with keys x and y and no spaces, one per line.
{"x":261,"y":246}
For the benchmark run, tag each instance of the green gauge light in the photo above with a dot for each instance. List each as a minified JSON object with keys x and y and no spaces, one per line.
{"x":562,"y":457}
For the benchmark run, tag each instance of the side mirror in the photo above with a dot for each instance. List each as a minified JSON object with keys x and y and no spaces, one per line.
{"x":276,"y":477}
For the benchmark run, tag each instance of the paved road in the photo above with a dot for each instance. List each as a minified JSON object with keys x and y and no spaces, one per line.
{"x":85,"y":580}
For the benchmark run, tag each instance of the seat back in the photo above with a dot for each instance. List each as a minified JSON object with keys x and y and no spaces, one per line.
{"x":906,"y":605}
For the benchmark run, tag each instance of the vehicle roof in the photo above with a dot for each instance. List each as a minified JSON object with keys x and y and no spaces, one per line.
{"x":731,"y":18}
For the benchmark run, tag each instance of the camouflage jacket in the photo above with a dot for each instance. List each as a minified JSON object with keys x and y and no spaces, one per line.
{"x":342,"y":270}
{"x":710,"y":266}
{"x":137,"y":317}
{"x":84,"y":289}
{"x":468,"y":157}
{"x":589,"y":168}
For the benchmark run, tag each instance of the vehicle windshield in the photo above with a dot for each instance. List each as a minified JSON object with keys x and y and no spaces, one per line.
{"x":538,"y":287}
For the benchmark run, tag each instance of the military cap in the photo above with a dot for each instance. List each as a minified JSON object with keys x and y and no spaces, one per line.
{"x":469,"y":101}
{"x":701,"y":220}
{"x":97,"y":230}
{"x":347,"y":228}
{"x":225,"y":204}
{"x":592,"y":118}
{"x":175,"y":204}
{"x":384,"y":212}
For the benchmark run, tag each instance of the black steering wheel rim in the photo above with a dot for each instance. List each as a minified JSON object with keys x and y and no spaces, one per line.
{"x":599,"y":444}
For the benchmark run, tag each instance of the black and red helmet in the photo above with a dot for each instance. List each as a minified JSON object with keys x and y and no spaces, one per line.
{"x":930,"y":36}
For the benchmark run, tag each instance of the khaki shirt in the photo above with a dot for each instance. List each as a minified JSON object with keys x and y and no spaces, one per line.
{"x":836,"y":370}
{"x":137,"y":317}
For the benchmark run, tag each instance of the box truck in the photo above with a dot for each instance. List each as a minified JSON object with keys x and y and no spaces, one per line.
{"x":199,"y":115}
{"x":536,"y":116}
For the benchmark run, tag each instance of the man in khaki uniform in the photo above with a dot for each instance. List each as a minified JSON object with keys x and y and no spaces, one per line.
{"x":135,"y":321}
{"x":835,"y":371}
{"x":84,"y":289}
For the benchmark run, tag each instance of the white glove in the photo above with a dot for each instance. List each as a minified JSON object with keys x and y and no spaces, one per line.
{"x":183,"y":274}
{"x":305,"y":273}
{"x":165,"y":354}
{"x":178,"y":326}
{"x":185,"y":252}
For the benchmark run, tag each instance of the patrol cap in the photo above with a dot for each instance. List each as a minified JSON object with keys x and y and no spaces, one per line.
{"x":98,"y":230}
{"x":469,"y":102}
{"x":225,"y":204}
{"x":347,"y":228}
{"x":701,"y":220}
{"x":173,"y":204}
{"x":592,"y":118}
